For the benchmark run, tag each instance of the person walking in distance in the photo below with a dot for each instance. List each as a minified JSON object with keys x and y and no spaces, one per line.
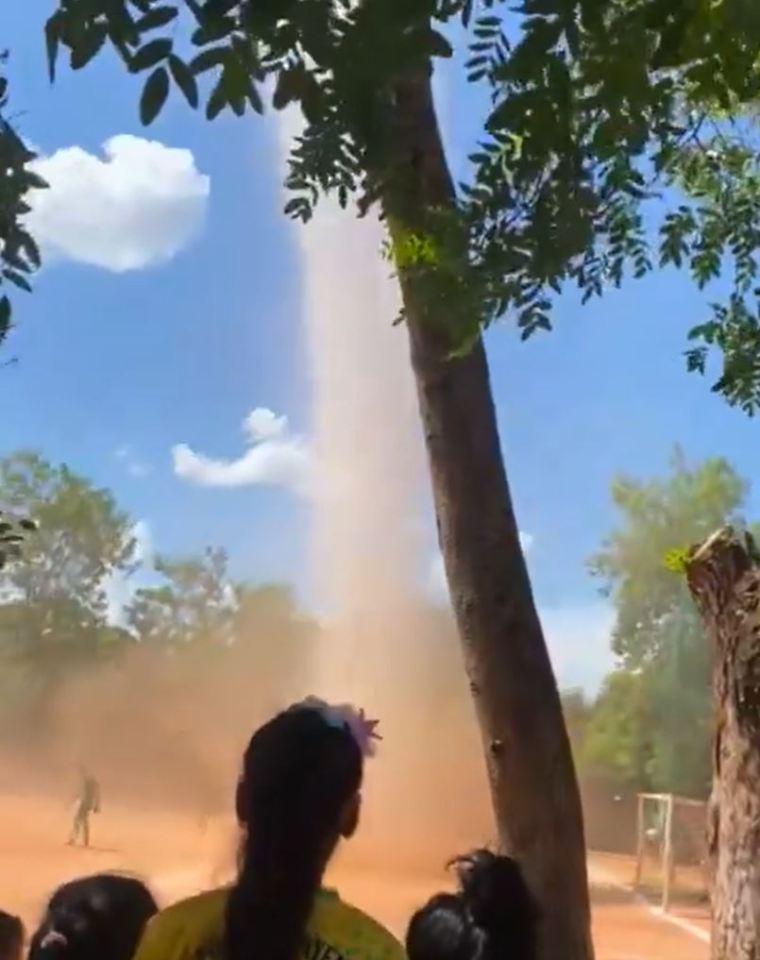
{"x":87,"y":803}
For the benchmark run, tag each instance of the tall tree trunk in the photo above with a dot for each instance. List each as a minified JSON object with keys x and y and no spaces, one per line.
{"x":724,"y":579}
{"x":530,"y":766}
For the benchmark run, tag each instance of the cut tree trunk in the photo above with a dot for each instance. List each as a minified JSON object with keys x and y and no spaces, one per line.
{"x":724,"y":579}
{"x":532,"y":777}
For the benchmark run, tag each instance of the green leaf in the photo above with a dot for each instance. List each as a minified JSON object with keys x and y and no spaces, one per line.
{"x":208,"y":59}
{"x":151,"y":54}
{"x":52,"y":42}
{"x":158,"y":17}
{"x":217,"y":101}
{"x":90,"y":44}
{"x":32,"y":251}
{"x":154,"y":95}
{"x":213,"y":30}
{"x":254,"y":98}
{"x":33,"y":181}
{"x":185,"y":80}
{"x":440,"y":46}
{"x":5,"y":317}
{"x":17,"y":279}
{"x":677,"y":560}
{"x":289,"y":87}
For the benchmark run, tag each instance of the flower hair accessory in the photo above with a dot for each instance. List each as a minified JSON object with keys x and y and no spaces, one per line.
{"x":53,"y":939}
{"x":344,"y":716}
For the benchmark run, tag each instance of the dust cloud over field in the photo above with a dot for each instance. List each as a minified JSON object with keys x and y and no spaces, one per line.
{"x":164,"y":732}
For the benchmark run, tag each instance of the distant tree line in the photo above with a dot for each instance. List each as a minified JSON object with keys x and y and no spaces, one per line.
{"x":649,"y":727}
{"x":57,"y":614}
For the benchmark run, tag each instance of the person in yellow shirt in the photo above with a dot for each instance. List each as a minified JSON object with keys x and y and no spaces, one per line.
{"x":299,"y":794}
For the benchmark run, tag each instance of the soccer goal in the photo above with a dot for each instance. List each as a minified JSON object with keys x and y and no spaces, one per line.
{"x":671,"y":848}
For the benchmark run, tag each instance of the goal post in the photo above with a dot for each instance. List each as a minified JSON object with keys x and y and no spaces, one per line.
{"x":671,"y":849}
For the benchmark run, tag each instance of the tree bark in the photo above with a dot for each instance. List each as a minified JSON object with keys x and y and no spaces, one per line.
{"x":530,"y":767}
{"x":724,"y":578}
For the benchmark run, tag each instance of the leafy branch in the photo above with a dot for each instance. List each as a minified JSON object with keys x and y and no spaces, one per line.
{"x":19,"y":254}
{"x":602,"y":115}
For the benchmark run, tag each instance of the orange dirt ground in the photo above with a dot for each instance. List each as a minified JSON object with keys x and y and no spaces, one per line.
{"x":177,"y":855}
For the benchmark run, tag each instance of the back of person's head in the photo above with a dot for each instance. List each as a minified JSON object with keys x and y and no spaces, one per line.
{"x":93,"y":918}
{"x":299,"y":793}
{"x":11,"y":936}
{"x":492,"y":917}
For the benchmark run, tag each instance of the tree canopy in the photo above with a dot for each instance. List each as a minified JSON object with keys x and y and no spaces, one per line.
{"x":195,"y":603}
{"x":186,"y":631}
{"x":610,"y":124}
{"x":55,"y":613}
{"x":658,"y":516}
{"x":650,"y":725}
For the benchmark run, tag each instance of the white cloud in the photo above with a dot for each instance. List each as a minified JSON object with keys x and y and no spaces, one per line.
{"x":134,"y":466}
{"x":275,"y":457}
{"x":120,"y":587}
{"x":137,"y":205}
{"x":262,"y":424}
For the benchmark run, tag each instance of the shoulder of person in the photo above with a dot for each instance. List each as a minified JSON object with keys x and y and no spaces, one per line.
{"x":180,"y":930}
{"x":374,"y":940}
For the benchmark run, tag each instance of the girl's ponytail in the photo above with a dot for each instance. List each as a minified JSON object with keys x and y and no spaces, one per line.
{"x":493,"y":917}
{"x":300,"y":774}
{"x":501,"y":906}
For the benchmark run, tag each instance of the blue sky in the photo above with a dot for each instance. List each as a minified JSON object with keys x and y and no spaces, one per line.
{"x":118,"y":367}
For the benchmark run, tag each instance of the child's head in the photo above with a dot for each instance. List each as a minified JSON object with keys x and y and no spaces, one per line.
{"x":11,"y":937}
{"x":299,"y":793}
{"x":492,"y":917}
{"x":92,"y":918}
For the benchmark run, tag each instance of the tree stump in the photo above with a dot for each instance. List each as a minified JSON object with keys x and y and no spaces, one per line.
{"x":724,"y":579}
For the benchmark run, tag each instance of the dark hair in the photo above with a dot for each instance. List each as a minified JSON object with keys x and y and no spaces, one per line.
{"x":493,"y":917}
{"x":93,"y":918}
{"x":11,"y":934}
{"x":299,"y":773}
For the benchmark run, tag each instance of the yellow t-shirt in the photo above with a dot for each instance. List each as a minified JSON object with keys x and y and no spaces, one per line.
{"x":193,"y":930}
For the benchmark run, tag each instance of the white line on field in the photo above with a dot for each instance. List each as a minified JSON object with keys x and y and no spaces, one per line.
{"x":600,"y":876}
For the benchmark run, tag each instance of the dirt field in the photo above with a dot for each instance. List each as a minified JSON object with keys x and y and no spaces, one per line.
{"x":177,"y":856}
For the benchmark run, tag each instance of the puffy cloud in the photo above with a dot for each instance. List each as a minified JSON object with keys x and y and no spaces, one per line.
{"x":275,"y":457}
{"x":137,"y":205}
{"x":262,"y":424}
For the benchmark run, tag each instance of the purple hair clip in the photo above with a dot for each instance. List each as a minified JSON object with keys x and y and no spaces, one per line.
{"x":344,"y":716}
{"x":53,"y":939}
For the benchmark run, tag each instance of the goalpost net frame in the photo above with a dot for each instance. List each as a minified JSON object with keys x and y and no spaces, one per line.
{"x":667,"y":802}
